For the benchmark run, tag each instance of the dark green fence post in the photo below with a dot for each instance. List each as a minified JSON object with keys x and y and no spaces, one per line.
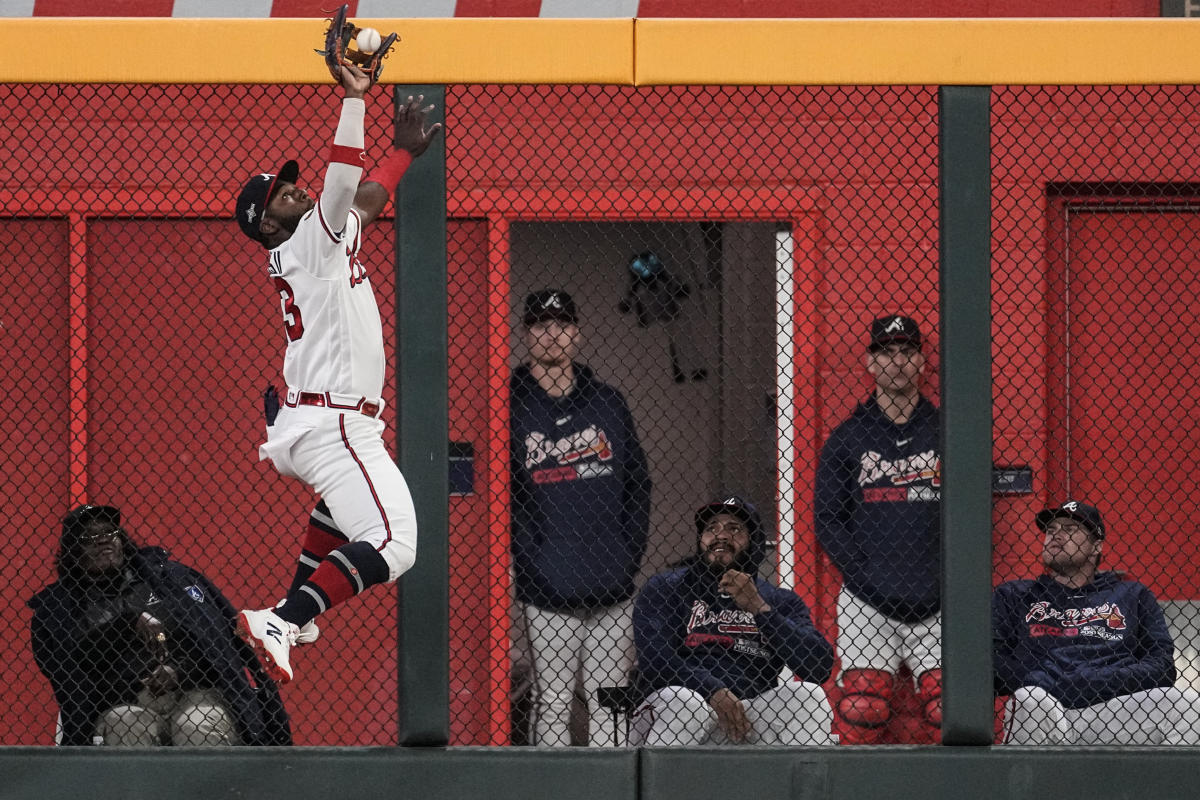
{"x":423,"y":427}
{"x":965,"y":202}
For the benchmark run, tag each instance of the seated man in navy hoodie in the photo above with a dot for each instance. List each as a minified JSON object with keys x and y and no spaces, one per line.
{"x":1085,"y":656}
{"x":712,"y":639}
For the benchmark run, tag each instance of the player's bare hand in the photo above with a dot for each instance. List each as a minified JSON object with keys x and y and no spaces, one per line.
{"x":742,"y":589}
{"x":731,"y":715}
{"x":354,"y":81}
{"x":412,"y":133}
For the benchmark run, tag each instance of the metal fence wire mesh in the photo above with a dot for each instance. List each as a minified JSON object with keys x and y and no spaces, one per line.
{"x":694,"y":417}
{"x":1094,"y":231}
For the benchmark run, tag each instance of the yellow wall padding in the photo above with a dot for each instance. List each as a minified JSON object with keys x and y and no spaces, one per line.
{"x":437,"y":51}
{"x":614,"y":51}
{"x":919,"y":51}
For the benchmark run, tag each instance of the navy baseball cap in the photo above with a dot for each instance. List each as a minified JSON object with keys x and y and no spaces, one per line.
{"x":252,"y":202}
{"x":733,"y":505}
{"x":77,"y":520}
{"x":894,"y":329}
{"x":1073,"y":509}
{"x":549,"y":304}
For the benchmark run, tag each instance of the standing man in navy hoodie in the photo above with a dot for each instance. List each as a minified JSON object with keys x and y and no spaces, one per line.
{"x":877,"y":509}
{"x":580,"y":517}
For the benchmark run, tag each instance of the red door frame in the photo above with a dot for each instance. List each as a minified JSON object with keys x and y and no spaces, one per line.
{"x":1062,"y":475}
{"x":1063,"y":201}
{"x":500,"y":208}
{"x":78,"y":207}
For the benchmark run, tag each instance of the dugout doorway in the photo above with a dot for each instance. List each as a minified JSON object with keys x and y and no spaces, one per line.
{"x":697,"y":367}
{"x":702,"y":385}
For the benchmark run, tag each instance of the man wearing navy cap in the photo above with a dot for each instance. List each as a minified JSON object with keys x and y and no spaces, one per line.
{"x":327,"y":427}
{"x":877,"y":511}
{"x":140,"y":650}
{"x":1085,"y":656}
{"x":712,"y":639}
{"x":580,"y":520}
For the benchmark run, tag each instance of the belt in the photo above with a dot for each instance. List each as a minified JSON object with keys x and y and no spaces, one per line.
{"x":370,"y":408}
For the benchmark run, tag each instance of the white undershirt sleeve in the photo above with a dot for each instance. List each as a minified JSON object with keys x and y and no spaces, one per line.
{"x":342,"y":178}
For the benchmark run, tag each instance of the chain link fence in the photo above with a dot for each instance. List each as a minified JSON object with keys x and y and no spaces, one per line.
{"x":694,"y":453}
{"x":1094,"y":230}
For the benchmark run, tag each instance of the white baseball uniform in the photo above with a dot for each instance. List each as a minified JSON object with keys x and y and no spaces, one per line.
{"x":871,"y":640}
{"x":793,"y":713}
{"x":328,"y":432}
{"x":594,"y":643}
{"x":1161,"y":716}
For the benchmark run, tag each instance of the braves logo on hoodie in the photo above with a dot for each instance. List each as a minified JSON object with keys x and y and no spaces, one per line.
{"x":575,"y":455}
{"x":734,"y":628}
{"x":912,"y":478}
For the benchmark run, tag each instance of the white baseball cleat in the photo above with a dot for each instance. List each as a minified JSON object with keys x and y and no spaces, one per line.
{"x":272,"y":639}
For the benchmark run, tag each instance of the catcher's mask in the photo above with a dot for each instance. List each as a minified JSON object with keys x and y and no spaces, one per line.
{"x":257,"y":193}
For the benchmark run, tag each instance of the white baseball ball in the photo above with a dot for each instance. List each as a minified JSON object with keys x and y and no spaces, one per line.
{"x":368,"y":40}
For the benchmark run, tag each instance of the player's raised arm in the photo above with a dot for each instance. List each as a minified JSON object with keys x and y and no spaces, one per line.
{"x":347,"y":157}
{"x":412,"y":138}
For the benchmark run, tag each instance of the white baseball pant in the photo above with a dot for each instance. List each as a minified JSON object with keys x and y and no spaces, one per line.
{"x":341,"y":455}
{"x":868,"y":639}
{"x":1161,"y":716}
{"x":792,"y":713}
{"x":596,"y":644}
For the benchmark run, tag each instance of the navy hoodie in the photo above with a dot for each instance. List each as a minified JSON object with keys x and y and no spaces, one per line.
{"x":1084,"y":646}
{"x":877,"y":506}
{"x":687,"y":634}
{"x":580,"y":495}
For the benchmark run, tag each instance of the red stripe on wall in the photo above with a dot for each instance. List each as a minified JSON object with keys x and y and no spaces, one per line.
{"x":103,"y":8}
{"x":321,"y":9}
{"x":721,"y":9}
{"x":498,"y":8}
{"x":815,"y":9}
{"x":77,"y":385}
{"x":766,"y":9}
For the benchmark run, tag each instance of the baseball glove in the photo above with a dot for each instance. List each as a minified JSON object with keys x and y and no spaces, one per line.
{"x":341,"y":47}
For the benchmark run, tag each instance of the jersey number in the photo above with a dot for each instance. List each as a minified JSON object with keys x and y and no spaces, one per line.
{"x":293,"y":321}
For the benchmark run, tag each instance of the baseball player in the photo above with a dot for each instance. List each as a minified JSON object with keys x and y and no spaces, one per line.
{"x":580,"y":517}
{"x":876,"y":506}
{"x":712,"y":639}
{"x":328,"y":431}
{"x":1086,"y":655}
